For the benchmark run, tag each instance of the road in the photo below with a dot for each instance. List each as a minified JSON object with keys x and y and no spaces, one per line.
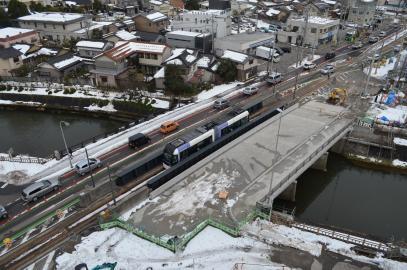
{"x":123,"y":155}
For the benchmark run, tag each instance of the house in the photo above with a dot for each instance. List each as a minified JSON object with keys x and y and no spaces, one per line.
{"x":10,"y":59}
{"x":178,"y":5}
{"x":320,"y":9}
{"x":121,"y":35}
{"x":205,"y":65}
{"x":55,"y":26}
{"x":12,"y":35}
{"x":34,"y":54}
{"x":92,"y":48}
{"x":189,"y":40}
{"x":245,"y":64}
{"x":60,"y":66}
{"x":149,"y":37}
{"x":319,"y":31}
{"x":216,"y":22}
{"x":162,"y":7}
{"x":244,"y":43}
{"x":362,"y":11}
{"x":112,"y":65}
{"x":96,"y":30}
{"x":154,"y":23}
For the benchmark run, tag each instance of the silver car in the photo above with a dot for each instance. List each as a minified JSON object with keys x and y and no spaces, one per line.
{"x":221,"y":103}
{"x":38,"y":189}
{"x":82,"y":166}
{"x":328,"y":69}
{"x":3,"y":212}
{"x":250,"y":90}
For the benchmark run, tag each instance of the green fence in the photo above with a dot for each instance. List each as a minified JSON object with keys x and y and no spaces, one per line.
{"x":179,"y":244}
{"x":41,"y":221}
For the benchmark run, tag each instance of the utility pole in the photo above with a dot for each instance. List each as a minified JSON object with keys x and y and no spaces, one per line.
{"x":305,"y":33}
{"x":111,"y":184}
{"x":271,"y":54}
{"x":368,"y":76}
{"x":213,"y":34}
{"x":91,"y":171}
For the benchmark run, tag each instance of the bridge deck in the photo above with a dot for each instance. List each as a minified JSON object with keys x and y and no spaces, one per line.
{"x":243,"y":169}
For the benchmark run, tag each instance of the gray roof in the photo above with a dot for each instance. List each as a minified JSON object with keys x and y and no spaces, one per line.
{"x":247,"y":37}
{"x":9,"y":53}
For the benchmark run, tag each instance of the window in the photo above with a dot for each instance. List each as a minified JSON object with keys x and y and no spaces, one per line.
{"x":313,"y":30}
{"x":320,"y":31}
{"x":250,"y":61}
{"x":16,"y":60}
{"x":103,"y":79}
{"x":45,"y":26}
{"x":53,"y":26}
{"x":196,"y":20}
{"x":35,"y":24}
{"x":149,"y":24}
{"x":63,"y":26}
{"x":154,"y":56}
{"x":147,"y":56}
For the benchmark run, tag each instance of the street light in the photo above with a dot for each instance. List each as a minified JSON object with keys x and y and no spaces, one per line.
{"x":63,"y":137}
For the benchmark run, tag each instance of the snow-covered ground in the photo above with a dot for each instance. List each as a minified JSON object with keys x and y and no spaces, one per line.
{"x":210,"y":249}
{"x":308,"y":58}
{"x":18,"y":173}
{"x":219,"y":89}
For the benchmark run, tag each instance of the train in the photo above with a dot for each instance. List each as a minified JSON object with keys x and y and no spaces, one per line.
{"x":183,"y":147}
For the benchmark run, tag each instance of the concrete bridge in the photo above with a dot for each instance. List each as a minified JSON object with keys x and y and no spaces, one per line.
{"x":253,"y":169}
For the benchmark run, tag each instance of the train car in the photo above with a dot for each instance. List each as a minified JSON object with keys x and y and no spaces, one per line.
{"x":190,"y":143}
{"x":181,"y":148}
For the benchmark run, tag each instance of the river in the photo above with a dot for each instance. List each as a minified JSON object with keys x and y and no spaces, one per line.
{"x":38,"y":134}
{"x":354,"y":198}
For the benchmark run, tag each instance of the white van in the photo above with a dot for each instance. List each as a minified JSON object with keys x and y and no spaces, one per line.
{"x":274,"y":78}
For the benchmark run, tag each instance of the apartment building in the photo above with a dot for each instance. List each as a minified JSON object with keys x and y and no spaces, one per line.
{"x":216,"y":22}
{"x":55,"y":26}
{"x":12,"y":35}
{"x":362,"y":11}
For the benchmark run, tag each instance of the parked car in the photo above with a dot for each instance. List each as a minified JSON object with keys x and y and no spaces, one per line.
{"x":82,"y":166}
{"x":274,"y":78}
{"x":397,"y":48}
{"x":373,"y":39}
{"x":138,"y":140}
{"x":308,"y":65}
{"x":221,"y":103}
{"x":357,"y":45}
{"x":330,"y":55}
{"x":3,"y":212}
{"x":382,"y":34}
{"x":38,"y":189}
{"x":250,"y":90}
{"x":328,"y":69}
{"x":376,"y":57}
{"x":168,"y":127}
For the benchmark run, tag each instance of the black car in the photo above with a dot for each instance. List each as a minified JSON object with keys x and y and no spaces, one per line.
{"x":330,"y":55}
{"x":138,"y":140}
{"x":286,"y":49}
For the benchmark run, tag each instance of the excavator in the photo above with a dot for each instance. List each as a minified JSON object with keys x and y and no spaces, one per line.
{"x":338,"y":96}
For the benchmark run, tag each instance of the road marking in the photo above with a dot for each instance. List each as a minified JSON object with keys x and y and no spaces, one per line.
{"x":5,"y":185}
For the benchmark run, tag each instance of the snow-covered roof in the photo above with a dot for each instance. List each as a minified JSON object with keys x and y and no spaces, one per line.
{"x":160,"y":73}
{"x":13,"y":31}
{"x":329,"y":2}
{"x":184,"y":33}
{"x":124,"y":35}
{"x":90,"y":44}
{"x":66,"y":62}
{"x":23,"y":48}
{"x":317,"y":20}
{"x":235,"y":56}
{"x":51,"y":17}
{"x":125,"y":49}
{"x":95,"y":25}
{"x":203,"y":62}
{"x":400,"y":141}
{"x":155,"y":2}
{"x":272,"y":12}
{"x":71,"y":3}
{"x":156,"y":16}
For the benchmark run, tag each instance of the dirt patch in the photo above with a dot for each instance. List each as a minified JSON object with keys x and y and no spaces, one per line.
{"x":17,"y":177}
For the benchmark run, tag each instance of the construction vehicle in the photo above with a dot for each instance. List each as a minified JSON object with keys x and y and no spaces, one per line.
{"x":338,"y":96}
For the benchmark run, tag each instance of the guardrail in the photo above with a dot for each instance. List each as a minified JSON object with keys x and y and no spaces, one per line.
{"x":360,"y":241}
{"x":25,"y":159}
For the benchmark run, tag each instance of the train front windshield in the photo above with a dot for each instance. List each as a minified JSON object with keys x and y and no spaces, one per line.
{"x":169,"y":159}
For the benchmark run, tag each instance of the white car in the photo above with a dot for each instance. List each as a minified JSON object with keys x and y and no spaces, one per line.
{"x":82,"y":166}
{"x":250,"y":90}
{"x":328,"y":69}
{"x":382,"y":34}
{"x":376,"y":57}
{"x":308,"y":65}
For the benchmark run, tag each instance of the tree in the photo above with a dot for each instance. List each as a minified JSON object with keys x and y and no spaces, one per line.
{"x":227,"y":70}
{"x":192,"y":5}
{"x":4,"y":19}
{"x":174,"y":83}
{"x":16,"y":9}
{"x":97,"y":34}
{"x":97,"y":6}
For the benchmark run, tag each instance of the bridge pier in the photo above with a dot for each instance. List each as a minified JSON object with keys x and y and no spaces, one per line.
{"x":321,"y":163}
{"x":289,"y":193}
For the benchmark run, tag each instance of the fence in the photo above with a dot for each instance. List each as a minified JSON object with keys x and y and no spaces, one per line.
{"x":25,"y":159}
{"x":176,"y":243}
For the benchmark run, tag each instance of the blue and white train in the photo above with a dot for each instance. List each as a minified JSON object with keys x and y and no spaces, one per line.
{"x":181,"y":148}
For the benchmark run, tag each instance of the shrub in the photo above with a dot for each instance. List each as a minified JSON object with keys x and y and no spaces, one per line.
{"x":9,"y":87}
{"x":20,"y":89}
{"x":49,"y":92}
{"x":2,"y":87}
{"x":66,"y":91}
{"x":72,"y":91}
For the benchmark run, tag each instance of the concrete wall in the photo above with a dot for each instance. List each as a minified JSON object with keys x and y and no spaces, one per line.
{"x":180,"y":41}
{"x":28,"y":38}
{"x":6,"y":65}
{"x":145,"y":25}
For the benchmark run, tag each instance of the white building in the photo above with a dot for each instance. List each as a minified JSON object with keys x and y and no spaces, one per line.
{"x":319,"y":31}
{"x":213,"y":21}
{"x":55,"y":26}
{"x":362,"y":11}
{"x":244,"y":43}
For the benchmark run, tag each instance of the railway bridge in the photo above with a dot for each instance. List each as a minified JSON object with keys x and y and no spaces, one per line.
{"x":253,"y":169}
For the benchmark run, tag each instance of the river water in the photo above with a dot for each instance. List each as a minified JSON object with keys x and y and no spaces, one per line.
{"x":357,"y":199}
{"x":38,"y":134}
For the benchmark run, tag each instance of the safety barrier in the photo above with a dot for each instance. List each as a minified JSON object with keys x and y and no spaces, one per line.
{"x":24,"y":159}
{"x":176,"y":243}
{"x":41,"y":221}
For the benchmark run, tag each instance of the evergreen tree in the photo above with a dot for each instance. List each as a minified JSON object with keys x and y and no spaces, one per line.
{"x":192,"y":5}
{"x":227,"y":70}
{"x":174,"y":83}
{"x":4,"y":19}
{"x":16,"y":9}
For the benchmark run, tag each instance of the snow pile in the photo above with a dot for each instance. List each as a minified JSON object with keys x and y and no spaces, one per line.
{"x":400,"y":141}
{"x":217,"y":90}
{"x":392,"y":116}
{"x":18,"y":173}
{"x":125,"y":216}
{"x":308,"y":59}
{"x":108,"y":108}
{"x":381,"y":72}
{"x":399,"y":163}
{"x":210,"y":249}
